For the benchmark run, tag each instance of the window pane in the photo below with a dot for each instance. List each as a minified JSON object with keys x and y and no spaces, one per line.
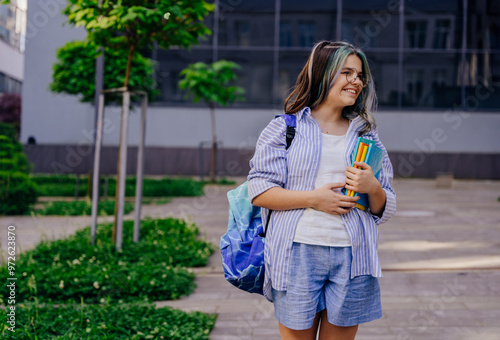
{"x":483,"y":24}
{"x":371,"y":23}
{"x":246,"y":23}
{"x":290,"y":65}
{"x":384,"y":68}
{"x":208,"y":39}
{"x":285,"y":34}
{"x":307,"y":33}
{"x":309,"y":21}
{"x":255,"y":76}
{"x":482,"y":81}
{"x":436,"y":24}
{"x":2,"y":83}
{"x":170,"y":64}
{"x":430,"y":79}
{"x":415,"y":33}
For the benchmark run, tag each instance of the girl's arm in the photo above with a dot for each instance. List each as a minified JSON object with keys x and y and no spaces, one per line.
{"x":322,"y":199}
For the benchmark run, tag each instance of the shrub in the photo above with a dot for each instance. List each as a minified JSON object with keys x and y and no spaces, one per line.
{"x":64,"y":185}
{"x":10,"y":110}
{"x":8,"y":130}
{"x":109,"y":321}
{"x":17,"y":190}
{"x":71,"y":269}
{"x":17,"y":193}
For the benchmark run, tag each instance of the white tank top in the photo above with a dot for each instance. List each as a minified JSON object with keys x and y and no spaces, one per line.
{"x":317,"y":227}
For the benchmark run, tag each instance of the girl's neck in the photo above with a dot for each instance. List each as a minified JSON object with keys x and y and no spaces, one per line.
{"x":330,"y":121}
{"x":327,"y":115}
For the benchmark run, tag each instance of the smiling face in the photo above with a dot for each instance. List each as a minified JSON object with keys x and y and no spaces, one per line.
{"x":343,"y":93}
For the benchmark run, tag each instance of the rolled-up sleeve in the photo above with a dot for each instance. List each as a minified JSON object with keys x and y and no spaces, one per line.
{"x":268,"y":165}
{"x":385,"y":178}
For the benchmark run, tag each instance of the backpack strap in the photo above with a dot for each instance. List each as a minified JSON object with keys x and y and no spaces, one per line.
{"x":291,"y":124}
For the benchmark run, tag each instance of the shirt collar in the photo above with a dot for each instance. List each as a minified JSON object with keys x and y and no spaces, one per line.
{"x":355,"y":123}
{"x":306,"y":111}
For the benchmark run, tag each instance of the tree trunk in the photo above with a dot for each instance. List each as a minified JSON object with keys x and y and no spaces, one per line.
{"x":131,"y":52}
{"x":214,"y":144}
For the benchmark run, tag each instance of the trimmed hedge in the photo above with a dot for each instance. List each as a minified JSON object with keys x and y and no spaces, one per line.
{"x":71,"y":269}
{"x":17,"y":190}
{"x":17,"y":193}
{"x":65,"y":185}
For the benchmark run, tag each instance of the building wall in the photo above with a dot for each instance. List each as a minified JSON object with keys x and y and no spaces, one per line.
{"x":11,"y":61}
{"x":421,"y":142}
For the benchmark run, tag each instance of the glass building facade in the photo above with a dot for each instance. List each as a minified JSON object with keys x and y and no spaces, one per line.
{"x":12,"y":33}
{"x":13,"y":24}
{"x":424,"y":54}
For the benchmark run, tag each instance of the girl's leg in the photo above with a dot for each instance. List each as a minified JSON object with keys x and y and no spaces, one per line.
{"x":307,"y":334}
{"x":327,"y":331}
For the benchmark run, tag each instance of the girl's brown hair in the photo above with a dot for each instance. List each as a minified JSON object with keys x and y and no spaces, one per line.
{"x":320,"y":73}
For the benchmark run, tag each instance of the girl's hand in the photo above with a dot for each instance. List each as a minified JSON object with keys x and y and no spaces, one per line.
{"x":327,"y":200}
{"x":362,"y":180}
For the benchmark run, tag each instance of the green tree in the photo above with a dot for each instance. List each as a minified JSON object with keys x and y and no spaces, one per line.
{"x":211,"y":83}
{"x":132,"y":25}
{"x":74,"y":71}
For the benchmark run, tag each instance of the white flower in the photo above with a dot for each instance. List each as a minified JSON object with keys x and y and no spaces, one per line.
{"x":104,"y":269}
{"x":76,"y":279}
{"x":96,"y":285}
{"x":75,"y":261}
{"x":88,"y":330}
{"x":24,"y":273}
{"x":152,"y":282}
{"x":61,"y":284}
{"x":164,"y":276}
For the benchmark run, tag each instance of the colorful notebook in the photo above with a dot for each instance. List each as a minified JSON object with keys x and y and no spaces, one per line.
{"x":366,"y":151}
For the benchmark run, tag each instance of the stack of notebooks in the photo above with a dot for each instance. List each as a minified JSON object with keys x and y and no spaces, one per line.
{"x":366,"y":151}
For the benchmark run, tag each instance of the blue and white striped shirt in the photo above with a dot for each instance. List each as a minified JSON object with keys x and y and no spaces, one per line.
{"x":296,"y":169}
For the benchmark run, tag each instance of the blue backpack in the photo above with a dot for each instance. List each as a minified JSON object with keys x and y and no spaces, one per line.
{"x":242,"y":246}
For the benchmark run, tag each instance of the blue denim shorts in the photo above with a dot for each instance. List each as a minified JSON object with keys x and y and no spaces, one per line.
{"x":318,"y":279}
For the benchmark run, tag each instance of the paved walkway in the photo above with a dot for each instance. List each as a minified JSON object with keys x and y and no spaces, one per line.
{"x":440,"y":255}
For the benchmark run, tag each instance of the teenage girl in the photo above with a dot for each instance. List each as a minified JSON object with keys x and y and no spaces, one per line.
{"x":321,"y":259}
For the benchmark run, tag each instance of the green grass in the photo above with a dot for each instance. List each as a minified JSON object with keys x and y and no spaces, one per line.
{"x":154,"y":269}
{"x":80,"y":208}
{"x":109,"y":321}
